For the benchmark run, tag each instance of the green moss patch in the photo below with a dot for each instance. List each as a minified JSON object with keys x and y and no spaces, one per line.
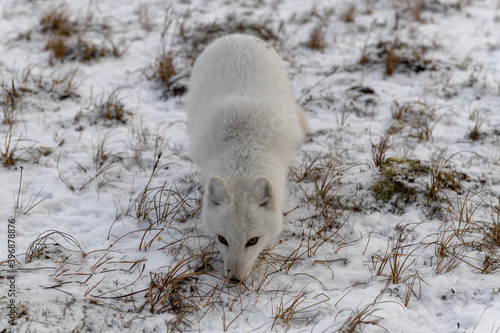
{"x":397,"y":177}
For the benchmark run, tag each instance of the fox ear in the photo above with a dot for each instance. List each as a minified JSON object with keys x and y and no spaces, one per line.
{"x":217,"y":191}
{"x":262,"y":192}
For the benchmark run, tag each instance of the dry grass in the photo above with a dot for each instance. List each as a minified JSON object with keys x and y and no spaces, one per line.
{"x":493,"y":228}
{"x":203,"y":33}
{"x":292,"y":310}
{"x":145,"y":16}
{"x":10,"y":106}
{"x":475,"y":133}
{"x":379,"y":150}
{"x":164,"y":71}
{"x":165,"y":68}
{"x":349,"y":15}
{"x":322,"y":176}
{"x":398,"y":257}
{"x":317,"y":38}
{"x":143,"y":139}
{"x":82,"y":48}
{"x":57,"y":21}
{"x":359,"y":318}
{"x":160,"y":205}
{"x":179,"y":291}
{"x":39,"y":247}
{"x":103,"y":156}
{"x":60,"y":84}
{"x":69,"y":39}
{"x":9,"y":103}
{"x":23,"y":206}
{"x":440,"y":176}
{"x":108,"y":108}
{"x":458,"y":235}
{"x":9,"y":150}
{"x":419,"y":117}
{"x":391,"y":60}
{"x":102,"y":162}
{"x":319,"y":179}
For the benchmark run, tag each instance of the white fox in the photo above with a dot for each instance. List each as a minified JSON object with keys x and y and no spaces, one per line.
{"x":244,"y":125}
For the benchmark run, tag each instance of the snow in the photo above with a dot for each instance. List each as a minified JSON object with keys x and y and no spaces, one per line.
{"x":94,"y":271}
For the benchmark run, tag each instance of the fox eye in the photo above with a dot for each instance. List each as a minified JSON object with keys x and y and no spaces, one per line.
{"x":222,"y":240}
{"x":252,"y":241}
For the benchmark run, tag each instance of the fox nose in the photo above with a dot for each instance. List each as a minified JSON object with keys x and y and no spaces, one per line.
{"x":234,"y":280}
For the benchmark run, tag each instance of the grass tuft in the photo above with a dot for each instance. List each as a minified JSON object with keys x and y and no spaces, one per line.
{"x":23,"y":207}
{"x":379,"y":150}
{"x":291,"y":311}
{"x":9,"y":103}
{"x":9,"y":150}
{"x":317,"y":37}
{"x":350,"y":14}
{"x":39,"y":248}
{"x":359,"y":318}
{"x":57,"y":21}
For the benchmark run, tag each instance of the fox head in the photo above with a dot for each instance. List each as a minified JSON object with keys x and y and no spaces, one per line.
{"x":244,"y":216}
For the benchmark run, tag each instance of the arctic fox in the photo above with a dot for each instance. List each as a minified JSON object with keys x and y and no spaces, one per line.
{"x":244,"y":125}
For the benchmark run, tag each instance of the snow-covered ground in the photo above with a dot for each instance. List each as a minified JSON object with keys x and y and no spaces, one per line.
{"x":106,"y":235}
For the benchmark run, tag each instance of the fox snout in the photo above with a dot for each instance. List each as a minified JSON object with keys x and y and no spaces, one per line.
{"x":237,"y":270}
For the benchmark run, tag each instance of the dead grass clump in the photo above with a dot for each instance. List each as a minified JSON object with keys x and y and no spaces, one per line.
{"x":492,"y":228}
{"x":143,"y":139}
{"x":321,"y":13}
{"x":82,"y":48}
{"x":178,"y":290}
{"x":441,"y":176}
{"x":409,"y":178}
{"x":145,"y":16}
{"x":359,"y":318}
{"x":9,"y":103}
{"x":109,"y":109}
{"x":391,"y":60}
{"x":316,"y":39}
{"x":475,"y":133}
{"x":320,"y":179}
{"x":200,"y":36}
{"x":349,"y":15}
{"x":164,"y":70}
{"x":103,"y":156}
{"x":402,"y":57}
{"x":398,"y":258}
{"x":165,"y":292}
{"x":73,"y":40}
{"x":411,"y":9}
{"x":60,"y":84}
{"x":291,"y":311}
{"x":57,"y":21}
{"x":23,"y":206}
{"x":103,"y":159}
{"x":9,"y":150}
{"x":457,"y":236}
{"x":58,"y":47}
{"x":63,"y":84}
{"x":379,"y":150}
{"x":324,"y":174}
{"x":39,"y":248}
{"x":161,"y":204}
{"x":113,"y":109}
{"x":419,"y":117}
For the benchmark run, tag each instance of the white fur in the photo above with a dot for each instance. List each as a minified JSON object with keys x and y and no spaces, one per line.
{"x":244,"y":125}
